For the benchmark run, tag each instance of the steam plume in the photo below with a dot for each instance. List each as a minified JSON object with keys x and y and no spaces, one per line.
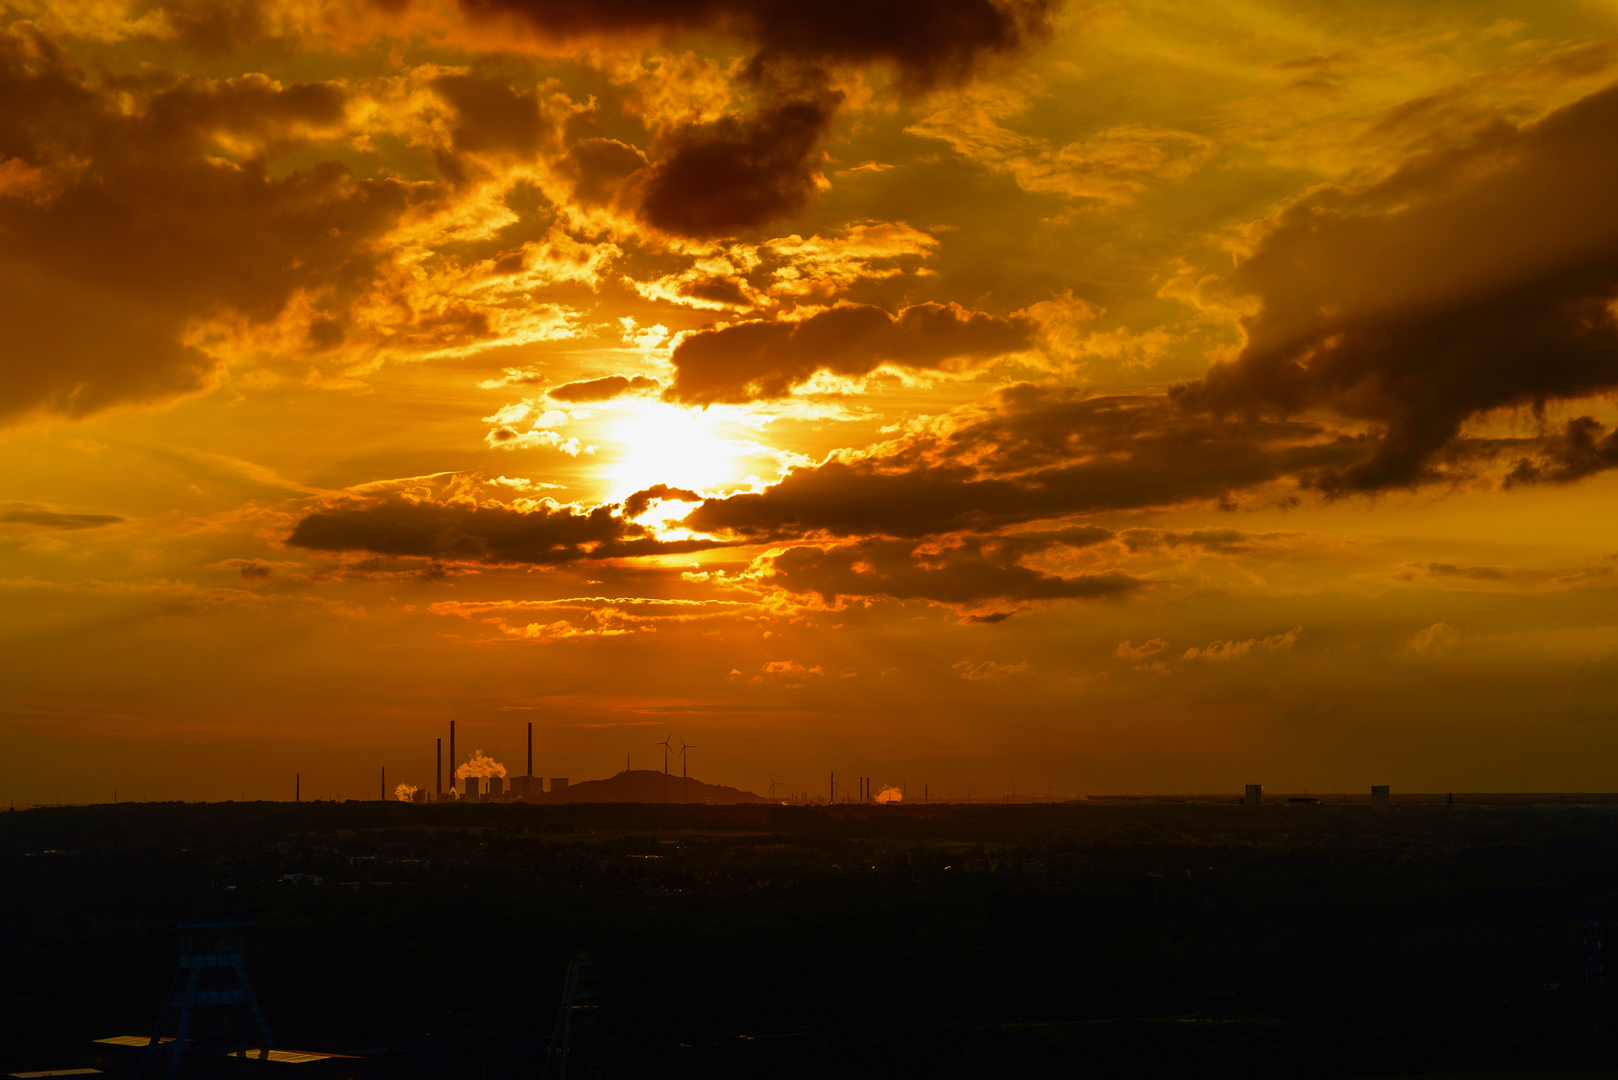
{"x":480,"y":765}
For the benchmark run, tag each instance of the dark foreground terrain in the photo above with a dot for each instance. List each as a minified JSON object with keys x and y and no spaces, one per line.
{"x":1161,"y":938}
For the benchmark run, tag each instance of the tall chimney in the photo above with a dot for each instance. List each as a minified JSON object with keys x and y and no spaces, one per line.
{"x":438,"y":773}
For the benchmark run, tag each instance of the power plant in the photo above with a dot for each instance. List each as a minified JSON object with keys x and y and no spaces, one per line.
{"x":482,"y":779}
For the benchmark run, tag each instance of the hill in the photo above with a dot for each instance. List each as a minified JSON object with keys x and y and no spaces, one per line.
{"x":649,"y":786}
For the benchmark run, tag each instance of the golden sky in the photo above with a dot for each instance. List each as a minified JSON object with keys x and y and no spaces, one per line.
{"x":1116,"y":397}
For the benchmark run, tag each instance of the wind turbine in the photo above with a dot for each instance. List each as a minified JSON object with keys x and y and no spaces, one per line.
{"x":684,"y":746}
{"x":666,"y":748}
{"x":773,"y":785}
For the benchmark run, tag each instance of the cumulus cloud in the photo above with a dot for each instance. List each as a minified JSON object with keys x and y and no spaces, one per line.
{"x":738,"y":172}
{"x":823,"y":266}
{"x":144,"y":204}
{"x":720,"y":176}
{"x":1221,"y":651}
{"x":988,"y":670}
{"x":604,"y":388}
{"x":1128,"y":650}
{"x":493,"y":119}
{"x":766,"y":359}
{"x":1434,"y":640}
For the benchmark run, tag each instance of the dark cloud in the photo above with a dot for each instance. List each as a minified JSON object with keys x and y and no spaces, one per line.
{"x":1032,"y":452}
{"x":495,"y":120}
{"x":603,"y":389}
{"x":45,"y":518}
{"x":463,"y":531}
{"x":928,"y":42}
{"x":600,"y":169}
{"x":641,"y":501}
{"x":752,"y":360}
{"x":132,"y":223}
{"x":1469,"y":280}
{"x":970,"y":572}
{"x":737,"y":173}
{"x":215,"y":26}
{"x":1582,"y":448}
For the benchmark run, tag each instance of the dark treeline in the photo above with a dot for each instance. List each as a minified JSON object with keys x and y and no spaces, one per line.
{"x":1142,"y":938}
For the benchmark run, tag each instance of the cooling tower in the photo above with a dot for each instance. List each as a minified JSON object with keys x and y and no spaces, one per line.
{"x":496,"y":787}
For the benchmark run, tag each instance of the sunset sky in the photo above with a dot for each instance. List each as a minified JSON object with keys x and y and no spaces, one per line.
{"x":1116,"y":397}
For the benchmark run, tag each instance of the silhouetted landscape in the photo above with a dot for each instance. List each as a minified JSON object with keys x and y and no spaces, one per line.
{"x":1115,"y":937}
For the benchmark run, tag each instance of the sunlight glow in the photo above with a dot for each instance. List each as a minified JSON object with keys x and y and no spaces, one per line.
{"x":658,"y":443}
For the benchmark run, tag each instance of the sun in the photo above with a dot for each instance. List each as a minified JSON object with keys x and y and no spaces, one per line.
{"x":658,"y":443}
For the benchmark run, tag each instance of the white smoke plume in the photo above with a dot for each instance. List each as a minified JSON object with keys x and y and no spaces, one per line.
{"x":480,"y":764}
{"x":405,"y":792}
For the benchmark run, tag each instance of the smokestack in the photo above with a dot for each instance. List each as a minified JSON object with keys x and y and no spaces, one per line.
{"x":470,"y":786}
{"x":496,"y":784}
{"x":438,"y":775}
{"x":530,"y":771}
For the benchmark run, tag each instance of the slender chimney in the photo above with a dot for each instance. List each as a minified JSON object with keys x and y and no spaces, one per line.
{"x":438,"y":774}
